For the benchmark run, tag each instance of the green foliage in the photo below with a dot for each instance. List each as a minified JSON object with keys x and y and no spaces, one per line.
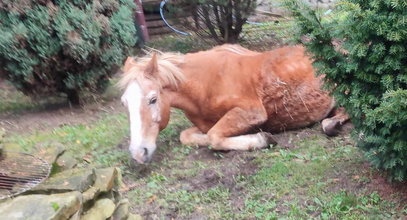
{"x":220,"y":20}
{"x":55,"y":206}
{"x":361,"y":48}
{"x":49,"y":47}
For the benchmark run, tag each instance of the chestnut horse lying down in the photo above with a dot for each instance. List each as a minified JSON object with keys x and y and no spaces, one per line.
{"x":232,"y":95}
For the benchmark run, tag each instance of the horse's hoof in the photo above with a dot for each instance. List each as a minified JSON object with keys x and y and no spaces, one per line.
{"x":330,"y":127}
{"x":269,"y":139}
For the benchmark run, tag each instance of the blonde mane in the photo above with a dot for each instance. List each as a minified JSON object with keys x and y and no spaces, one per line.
{"x":168,"y":74}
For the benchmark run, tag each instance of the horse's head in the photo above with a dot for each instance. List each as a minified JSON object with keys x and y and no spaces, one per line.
{"x":148,"y":107}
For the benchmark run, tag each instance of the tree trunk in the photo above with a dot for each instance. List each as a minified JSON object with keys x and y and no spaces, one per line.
{"x":73,"y":97}
{"x":233,"y":37}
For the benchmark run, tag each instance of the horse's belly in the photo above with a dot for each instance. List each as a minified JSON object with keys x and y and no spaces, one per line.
{"x":296,"y":108}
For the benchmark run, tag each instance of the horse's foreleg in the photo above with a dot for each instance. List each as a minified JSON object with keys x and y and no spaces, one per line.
{"x":228,"y":132}
{"x":193,"y":136}
{"x":244,"y":142}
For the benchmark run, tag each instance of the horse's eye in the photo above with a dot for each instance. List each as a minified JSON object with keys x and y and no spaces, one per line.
{"x":152,"y":101}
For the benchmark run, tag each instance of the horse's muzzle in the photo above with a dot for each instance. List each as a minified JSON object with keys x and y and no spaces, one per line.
{"x":142,"y":157}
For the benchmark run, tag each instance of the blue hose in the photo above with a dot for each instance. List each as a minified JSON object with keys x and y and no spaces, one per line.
{"x":165,"y":21}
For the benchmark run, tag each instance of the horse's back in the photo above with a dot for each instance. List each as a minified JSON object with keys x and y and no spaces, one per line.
{"x":235,"y":49}
{"x":290,"y":65}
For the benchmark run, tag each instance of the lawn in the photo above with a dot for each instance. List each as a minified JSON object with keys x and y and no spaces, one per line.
{"x":306,"y":176}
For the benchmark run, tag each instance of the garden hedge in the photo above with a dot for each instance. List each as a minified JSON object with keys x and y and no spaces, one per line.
{"x":361,"y":47}
{"x":63,"y":46}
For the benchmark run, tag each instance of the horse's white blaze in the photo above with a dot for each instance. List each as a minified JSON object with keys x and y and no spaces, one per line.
{"x":132,"y":98}
{"x":151,"y":94}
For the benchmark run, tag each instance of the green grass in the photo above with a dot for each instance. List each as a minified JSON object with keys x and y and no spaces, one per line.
{"x":296,"y":183}
{"x":315,"y":180}
{"x":178,"y":43}
{"x":98,"y":140}
{"x":11,"y":100}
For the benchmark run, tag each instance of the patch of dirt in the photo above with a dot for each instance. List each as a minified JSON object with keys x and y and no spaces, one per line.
{"x":365,"y":178}
{"x":56,"y":115}
{"x":289,"y":138}
{"x":203,"y":154}
{"x":235,"y":164}
{"x":194,"y":216}
{"x":224,"y":170}
{"x":385,"y":189}
{"x":229,"y":165}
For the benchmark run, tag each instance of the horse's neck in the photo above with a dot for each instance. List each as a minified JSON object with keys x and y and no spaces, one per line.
{"x":177,"y":99}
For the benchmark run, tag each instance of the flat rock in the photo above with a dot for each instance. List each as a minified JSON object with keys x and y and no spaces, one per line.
{"x":119,"y":179}
{"x":122,"y":210}
{"x":66,"y":162}
{"x":101,"y":210}
{"x":76,"y":216}
{"x":49,"y":151}
{"x":90,"y":194}
{"x":33,"y":207}
{"x":105,"y":179}
{"x":70,"y":180}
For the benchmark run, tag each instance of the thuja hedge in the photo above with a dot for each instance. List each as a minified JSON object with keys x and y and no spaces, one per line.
{"x":50,"y":47}
{"x":361,"y":47}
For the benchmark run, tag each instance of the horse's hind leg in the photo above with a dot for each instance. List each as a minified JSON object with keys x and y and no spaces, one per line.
{"x":228,"y":132}
{"x":331,"y":125}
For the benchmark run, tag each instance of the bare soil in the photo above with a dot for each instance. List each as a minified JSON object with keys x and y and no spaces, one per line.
{"x":56,"y":114}
{"x":235,"y":165}
{"x":370,"y":180}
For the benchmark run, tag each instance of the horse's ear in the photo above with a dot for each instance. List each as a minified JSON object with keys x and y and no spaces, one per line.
{"x":130,"y":61}
{"x":152,"y":66}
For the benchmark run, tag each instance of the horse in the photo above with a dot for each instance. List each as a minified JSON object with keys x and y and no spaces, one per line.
{"x":234,"y":97}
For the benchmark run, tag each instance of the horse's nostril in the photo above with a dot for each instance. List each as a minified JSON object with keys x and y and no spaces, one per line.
{"x":145,"y":151}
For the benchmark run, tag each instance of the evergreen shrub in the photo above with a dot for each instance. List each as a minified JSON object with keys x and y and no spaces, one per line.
{"x":50,"y":47}
{"x":361,"y":47}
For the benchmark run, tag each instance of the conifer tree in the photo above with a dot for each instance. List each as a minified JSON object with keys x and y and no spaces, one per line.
{"x":361,"y":47}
